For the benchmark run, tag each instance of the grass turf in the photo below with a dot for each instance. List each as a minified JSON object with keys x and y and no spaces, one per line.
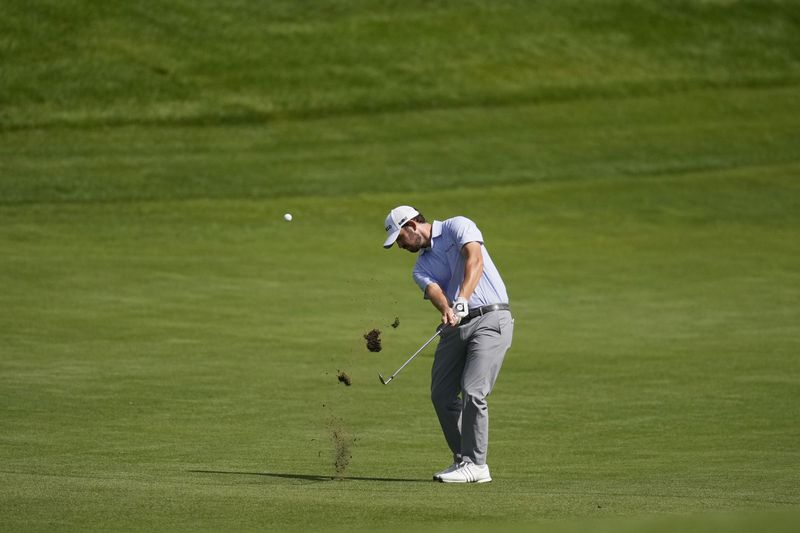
{"x":170,"y":346}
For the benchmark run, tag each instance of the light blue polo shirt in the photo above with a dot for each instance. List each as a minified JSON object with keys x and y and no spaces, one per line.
{"x":443,"y":263}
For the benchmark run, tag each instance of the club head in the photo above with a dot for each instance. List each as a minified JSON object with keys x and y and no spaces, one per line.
{"x":384,"y":381}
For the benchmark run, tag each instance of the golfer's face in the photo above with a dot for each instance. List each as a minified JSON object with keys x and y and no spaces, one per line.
{"x":409,"y":239}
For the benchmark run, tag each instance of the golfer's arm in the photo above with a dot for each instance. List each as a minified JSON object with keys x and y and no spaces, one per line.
{"x":473,"y":268}
{"x":437,"y":297}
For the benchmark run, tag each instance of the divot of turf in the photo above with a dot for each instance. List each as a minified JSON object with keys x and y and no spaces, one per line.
{"x":373,"y":340}
{"x":345,"y":378}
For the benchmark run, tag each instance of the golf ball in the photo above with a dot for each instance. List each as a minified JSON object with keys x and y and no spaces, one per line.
{"x":287,"y":217}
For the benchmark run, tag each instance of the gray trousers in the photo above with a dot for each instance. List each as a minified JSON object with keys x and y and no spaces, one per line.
{"x":465,"y":368}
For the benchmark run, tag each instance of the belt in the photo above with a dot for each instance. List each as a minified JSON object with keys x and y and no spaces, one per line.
{"x":480,"y":311}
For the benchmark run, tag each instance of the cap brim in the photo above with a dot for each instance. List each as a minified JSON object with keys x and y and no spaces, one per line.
{"x":390,"y":239}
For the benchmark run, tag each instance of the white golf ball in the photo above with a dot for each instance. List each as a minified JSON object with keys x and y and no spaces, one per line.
{"x":287,"y":217}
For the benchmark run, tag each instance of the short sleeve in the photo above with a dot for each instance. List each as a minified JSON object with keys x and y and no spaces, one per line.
{"x":422,"y":277}
{"x":465,"y":231}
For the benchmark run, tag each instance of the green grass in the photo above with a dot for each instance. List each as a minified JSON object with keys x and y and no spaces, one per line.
{"x":169,"y":345}
{"x":82,"y":62}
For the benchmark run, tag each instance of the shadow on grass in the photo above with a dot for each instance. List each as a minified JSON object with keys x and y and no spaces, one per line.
{"x":311,"y":477}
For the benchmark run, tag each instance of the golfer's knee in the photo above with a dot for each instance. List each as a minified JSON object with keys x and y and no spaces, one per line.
{"x":442,"y":400}
{"x":476,"y":400}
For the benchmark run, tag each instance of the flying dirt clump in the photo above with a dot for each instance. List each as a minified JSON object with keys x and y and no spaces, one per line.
{"x":396,"y":322}
{"x":342,"y":443}
{"x":373,"y":340}
{"x":345,"y":378}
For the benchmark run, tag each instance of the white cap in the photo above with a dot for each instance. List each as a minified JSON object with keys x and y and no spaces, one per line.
{"x":394,"y":222}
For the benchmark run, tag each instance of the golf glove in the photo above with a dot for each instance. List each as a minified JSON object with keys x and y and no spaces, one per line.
{"x":461,"y":308}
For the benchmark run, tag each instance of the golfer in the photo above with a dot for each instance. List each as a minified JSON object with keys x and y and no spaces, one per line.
{"x":457,"y":275}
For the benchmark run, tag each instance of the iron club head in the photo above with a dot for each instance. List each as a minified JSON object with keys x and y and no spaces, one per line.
{"x":384,"y":381}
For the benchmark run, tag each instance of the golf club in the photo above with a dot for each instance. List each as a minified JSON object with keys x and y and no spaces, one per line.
{"x":386,"y":381}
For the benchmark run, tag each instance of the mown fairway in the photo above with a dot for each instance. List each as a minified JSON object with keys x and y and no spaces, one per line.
{"x":169,"y":346}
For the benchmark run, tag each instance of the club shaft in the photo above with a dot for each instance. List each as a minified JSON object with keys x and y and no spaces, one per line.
{"x":438,"y":331}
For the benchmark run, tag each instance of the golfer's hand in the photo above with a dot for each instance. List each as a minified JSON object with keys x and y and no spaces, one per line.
{"x":461,"y":308}
{"x":449,"y":318}
{"x":452,"y":315}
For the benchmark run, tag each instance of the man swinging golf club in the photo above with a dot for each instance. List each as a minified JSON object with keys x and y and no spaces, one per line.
{"x":457,"y":275}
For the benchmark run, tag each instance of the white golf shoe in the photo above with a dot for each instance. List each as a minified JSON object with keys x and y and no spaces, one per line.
{"x":467,"y":473}
{"x":451,"y":468}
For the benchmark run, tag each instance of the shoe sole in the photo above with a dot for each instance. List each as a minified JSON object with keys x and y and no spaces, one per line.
{"x":486,"y":480}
